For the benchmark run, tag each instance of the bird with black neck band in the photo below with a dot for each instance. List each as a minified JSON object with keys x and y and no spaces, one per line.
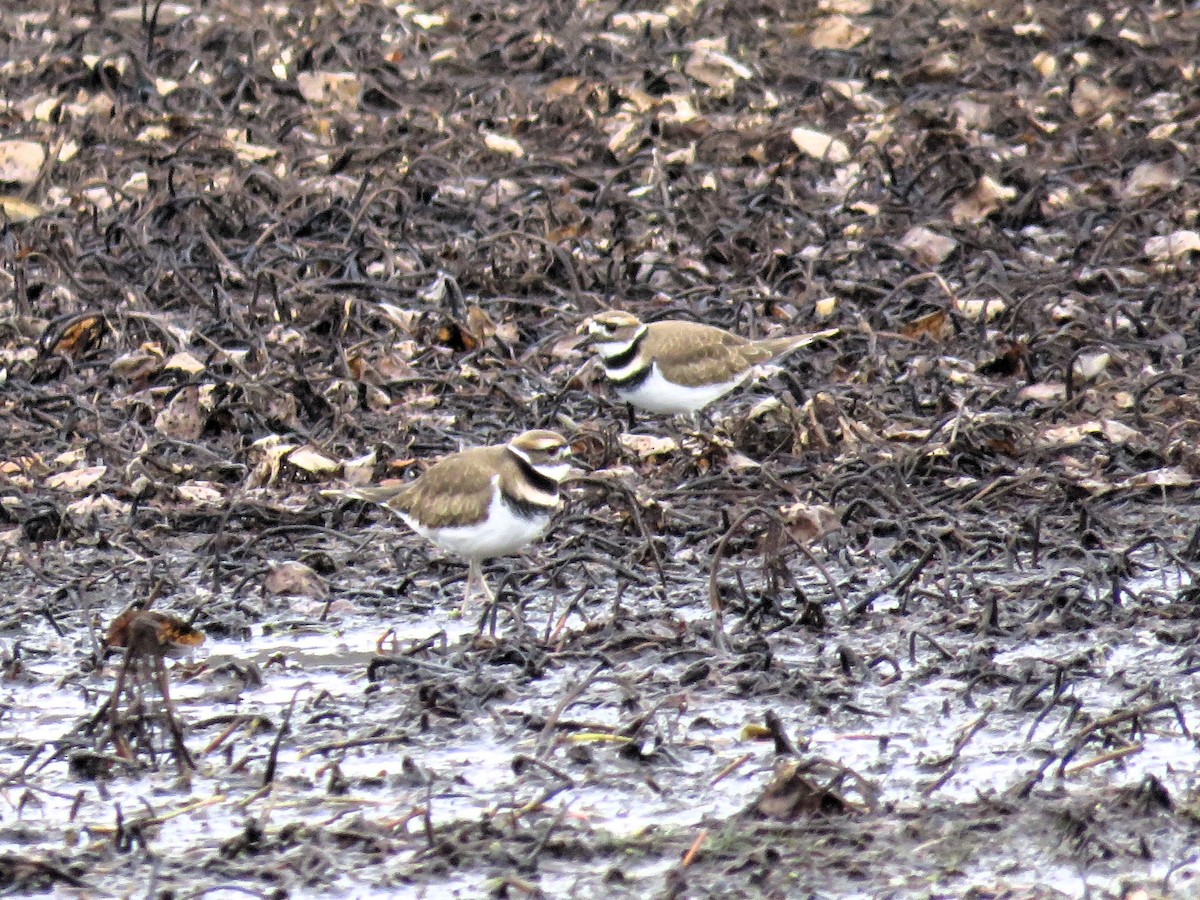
{"x":482,"y":502}
{"x":675,"y":367}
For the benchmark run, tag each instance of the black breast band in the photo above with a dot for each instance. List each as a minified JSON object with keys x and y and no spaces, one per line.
{"x":528,"y":509}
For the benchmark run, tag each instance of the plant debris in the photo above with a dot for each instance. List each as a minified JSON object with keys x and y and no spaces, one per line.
{"x":253,"y":253}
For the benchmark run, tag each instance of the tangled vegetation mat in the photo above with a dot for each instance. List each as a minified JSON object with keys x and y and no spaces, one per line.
{"x":914,"y":615}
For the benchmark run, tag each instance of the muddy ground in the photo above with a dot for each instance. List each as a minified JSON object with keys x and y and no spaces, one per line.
{"x":912,"y":616}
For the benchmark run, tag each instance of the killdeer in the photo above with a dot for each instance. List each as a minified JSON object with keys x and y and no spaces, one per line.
{"x":674,"y":366}
{"x":485,"y":501}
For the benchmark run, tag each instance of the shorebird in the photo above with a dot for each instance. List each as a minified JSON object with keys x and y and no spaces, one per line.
{"x":483,"y":502}
{"x":675,"y":366}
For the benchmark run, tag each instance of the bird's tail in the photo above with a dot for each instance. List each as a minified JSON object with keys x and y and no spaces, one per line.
{"x":383,"y":494}
{"x":773,"y":348}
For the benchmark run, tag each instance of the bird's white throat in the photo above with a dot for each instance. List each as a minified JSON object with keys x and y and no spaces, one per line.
{"x":612,"y":349}
{"x":554,"y":471}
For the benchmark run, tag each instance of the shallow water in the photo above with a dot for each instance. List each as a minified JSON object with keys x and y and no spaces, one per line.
{"x":898,"y":732}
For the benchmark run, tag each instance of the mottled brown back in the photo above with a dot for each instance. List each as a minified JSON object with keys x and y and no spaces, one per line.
{"x":453,"y":492}
{"x":693,"y":354}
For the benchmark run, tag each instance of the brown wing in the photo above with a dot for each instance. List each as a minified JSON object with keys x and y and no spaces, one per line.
{"x":773,"y":348}
{"x":693,"y":354}
{"x":454,"y":491}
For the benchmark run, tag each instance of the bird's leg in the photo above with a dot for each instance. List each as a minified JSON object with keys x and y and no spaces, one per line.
{"x":475,"y":577}
{"x":488,"y":618}
{"x":691,"y":429}
{"x":677,"y":431}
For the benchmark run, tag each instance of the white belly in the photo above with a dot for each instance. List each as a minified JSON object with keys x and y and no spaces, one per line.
{"x":657,"y":395}
{"x":501,"y":533}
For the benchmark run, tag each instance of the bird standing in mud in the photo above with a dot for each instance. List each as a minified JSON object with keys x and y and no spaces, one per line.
{"x":675,"y":366}
{"x":485,"y":501}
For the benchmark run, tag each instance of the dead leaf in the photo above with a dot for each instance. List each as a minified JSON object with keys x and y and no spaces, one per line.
{"x":153,"y":632}
{"x":641,"y":20}
{"x":76,"y":480}
{"x":70,"y":458}
{"x":14,"y":209}
{"x":200,"y":493}
{"x":164,"y":14}
{"x":295,"y":579}
{"x":740,"y":462}
{"x":1117,"y":433}
{"x":184,"y":362}
{"x":564,"y":87}
{"x":330,"y":88}
{"x":270,"y":451}
{"x":377,"y":399}
{"x":1168,"y":477}
{"x":138,"y":364}
{"x":1091,"y":365}
{"x":311,"y":460}
{"x":808,"y":522}
{"x":567,"y":346}
{"x":32,"y":465}
{"x":897,"y":432}
{"x":987,"y":197}
{"x":935,"y":325}
{"x":387,"y":368}
{"x":819,"y":145}
{"x":1045,"y":64}
{"x":499,"y":143}
{"x":1175,"y":245}
{"x":428,"y":21}
{"x":971,"y":115}
{"x":1043,"y":391}
{"x":1090,"y":99}
{"x":21,"y":161}
{"x":943,"y":64}
{"x":1148,"y":177}
{"x":646,"y":445}
{"x":709,"y":64}
{"x":77,"y":337}
{"x":1067,"y":435}
{"x":794,"y":792}
{"x":246,"y":151}
{"x":480,"y":324}
{"x":1070,"y":435}
{"x":404,"y":319}
{"x":846,"y":7}
{"x":360,"y":470}
{"x":182,"y":418}
{"x":837,"y":32}
{"x":154,"y":134}
{"x":929,"y":247}
{"x":980,"y":309}
{"x":102,"y":506}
